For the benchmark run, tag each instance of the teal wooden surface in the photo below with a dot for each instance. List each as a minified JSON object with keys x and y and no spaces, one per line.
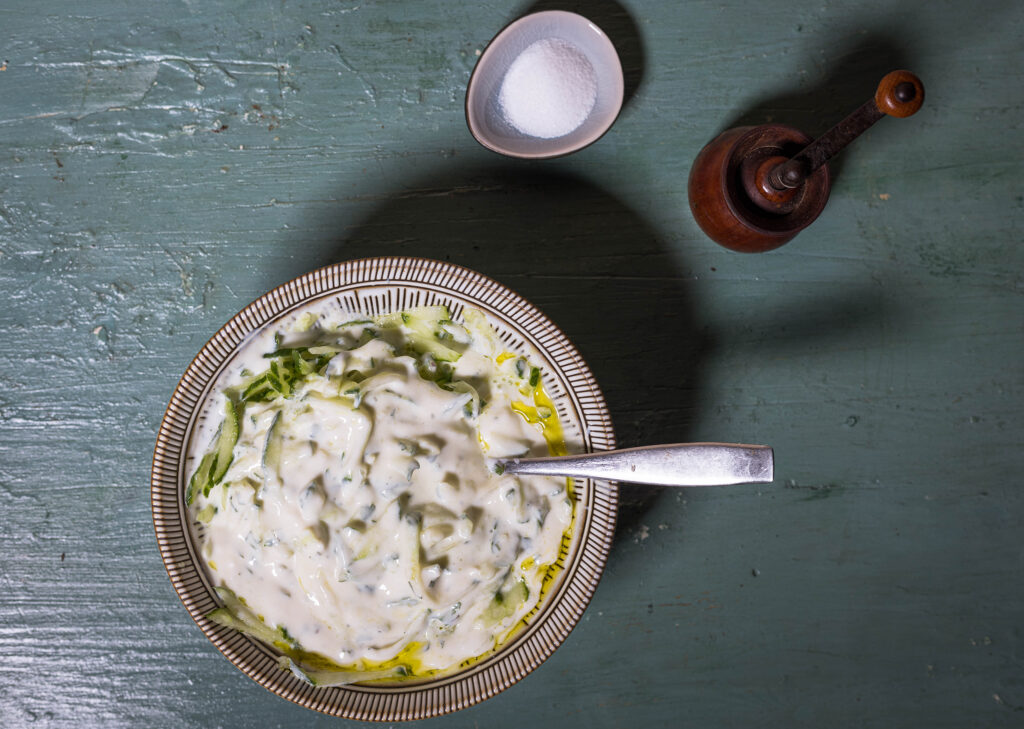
{"x":164,"y":164}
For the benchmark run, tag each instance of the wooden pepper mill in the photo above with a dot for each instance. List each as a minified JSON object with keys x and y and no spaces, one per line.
{"x":753,"y":189}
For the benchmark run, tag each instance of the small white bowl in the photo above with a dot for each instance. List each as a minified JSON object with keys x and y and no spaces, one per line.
{"x":483,"y":112}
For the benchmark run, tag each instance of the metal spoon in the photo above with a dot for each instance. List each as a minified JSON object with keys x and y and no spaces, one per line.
{"x":681,"y":464}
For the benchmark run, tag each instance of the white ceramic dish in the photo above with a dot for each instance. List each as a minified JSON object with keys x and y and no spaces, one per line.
{"x":376,"y":286}
{"x":483,"y":113}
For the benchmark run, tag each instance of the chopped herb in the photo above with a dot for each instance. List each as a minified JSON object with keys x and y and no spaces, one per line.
{"x":355,"y":322}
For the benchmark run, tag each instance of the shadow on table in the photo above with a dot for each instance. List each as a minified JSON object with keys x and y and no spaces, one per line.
{"x":585,"y":259}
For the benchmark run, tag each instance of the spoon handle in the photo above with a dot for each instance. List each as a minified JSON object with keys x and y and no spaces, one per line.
{"x":682,"y":464}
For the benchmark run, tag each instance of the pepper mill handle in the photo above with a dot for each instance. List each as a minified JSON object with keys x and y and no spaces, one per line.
{"x":900,"y":94}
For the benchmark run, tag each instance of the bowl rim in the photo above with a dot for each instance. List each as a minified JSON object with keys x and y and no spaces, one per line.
{"x":594,"y":523}
{"x":486,"y":141}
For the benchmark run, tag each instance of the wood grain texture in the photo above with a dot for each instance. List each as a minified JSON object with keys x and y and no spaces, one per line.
{"x":164,"y":165}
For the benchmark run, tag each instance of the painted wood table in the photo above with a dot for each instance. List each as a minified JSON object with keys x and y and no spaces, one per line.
{"x":165,"y":164}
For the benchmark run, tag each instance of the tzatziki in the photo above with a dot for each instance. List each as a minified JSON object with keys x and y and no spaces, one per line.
{"x":345,"y":501}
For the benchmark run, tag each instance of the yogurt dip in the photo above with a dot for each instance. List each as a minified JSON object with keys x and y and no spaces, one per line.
{"x":345,"y":502}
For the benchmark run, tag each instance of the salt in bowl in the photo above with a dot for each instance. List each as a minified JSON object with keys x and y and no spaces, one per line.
{"x":484,"y":115}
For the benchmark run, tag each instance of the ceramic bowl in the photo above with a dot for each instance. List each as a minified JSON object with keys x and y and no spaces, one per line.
{"x":483,"y":111}
{"x":375,"y":286}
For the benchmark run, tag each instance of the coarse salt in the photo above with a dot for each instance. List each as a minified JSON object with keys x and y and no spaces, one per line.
{"x":549,"y":90}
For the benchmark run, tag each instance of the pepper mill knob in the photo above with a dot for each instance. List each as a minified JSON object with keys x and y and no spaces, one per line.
{"x":753,"y":189}
{"x":900,"y":94}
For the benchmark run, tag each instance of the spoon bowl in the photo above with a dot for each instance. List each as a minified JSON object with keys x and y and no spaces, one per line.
{"x":484,"y":116}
